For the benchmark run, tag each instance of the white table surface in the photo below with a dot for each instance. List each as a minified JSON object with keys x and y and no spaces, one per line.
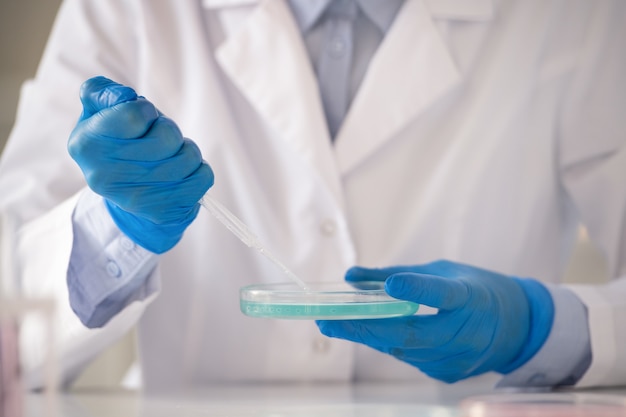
{"x":305,"y":400}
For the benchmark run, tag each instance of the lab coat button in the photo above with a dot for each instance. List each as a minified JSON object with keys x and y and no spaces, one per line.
{"x":321,"y":345}
{"x":126,"y":243}
{"x":113,"y":269}
{"x":328,"y":227}
{"x":337,"y":47}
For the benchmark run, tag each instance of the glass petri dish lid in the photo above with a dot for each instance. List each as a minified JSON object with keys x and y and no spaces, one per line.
{"x":322,"y":301}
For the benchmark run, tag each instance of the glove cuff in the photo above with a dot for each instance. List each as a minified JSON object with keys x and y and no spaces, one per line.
{"x":157,"y":238}
{"x":541,"y":308}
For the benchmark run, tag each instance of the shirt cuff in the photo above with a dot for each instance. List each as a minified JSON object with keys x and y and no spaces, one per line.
{"x":566,"y":353}
{"x":107,"y":270}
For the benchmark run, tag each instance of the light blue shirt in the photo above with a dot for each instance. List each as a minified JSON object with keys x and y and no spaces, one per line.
{"x":341,"y":37}
{"x":107,"y":271}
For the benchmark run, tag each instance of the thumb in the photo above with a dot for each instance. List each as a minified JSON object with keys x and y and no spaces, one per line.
{"x":359,"y":274}
{"x":99,"y":93}
{"x":114,"y":110}
{"x":434,"y":291}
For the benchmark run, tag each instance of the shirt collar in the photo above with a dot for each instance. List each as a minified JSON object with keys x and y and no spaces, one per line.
{"x":381,"y":12}
{"x":307,"y":12}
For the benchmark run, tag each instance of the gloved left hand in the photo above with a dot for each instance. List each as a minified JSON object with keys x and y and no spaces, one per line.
{"x":486,"y":321}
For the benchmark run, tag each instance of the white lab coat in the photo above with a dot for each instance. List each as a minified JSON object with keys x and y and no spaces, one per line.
{"x":483,"y":132}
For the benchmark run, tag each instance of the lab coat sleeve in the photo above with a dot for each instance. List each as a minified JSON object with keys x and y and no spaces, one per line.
{"x":43,"y":249}
{"x":40,"y":184}
{"x":592,"y":156}
{"x":107,"y":270}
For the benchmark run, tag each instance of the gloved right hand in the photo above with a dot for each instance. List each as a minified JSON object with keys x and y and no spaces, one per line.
{"x":486,"y":321}
{"x":137,"y":159}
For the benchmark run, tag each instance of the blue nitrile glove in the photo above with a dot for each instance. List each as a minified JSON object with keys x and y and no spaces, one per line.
{"x":149,"y":175}
{"x":486,"y":321}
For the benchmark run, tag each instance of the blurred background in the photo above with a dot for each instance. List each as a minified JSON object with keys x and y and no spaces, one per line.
{"x":24,"y":28}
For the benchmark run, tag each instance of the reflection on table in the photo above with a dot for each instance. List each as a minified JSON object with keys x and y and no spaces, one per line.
{"x":473,"y":398}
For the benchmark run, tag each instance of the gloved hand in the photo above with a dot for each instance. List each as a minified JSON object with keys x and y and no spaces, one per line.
{"x":137,"y":159}
{"x":486,"y":321}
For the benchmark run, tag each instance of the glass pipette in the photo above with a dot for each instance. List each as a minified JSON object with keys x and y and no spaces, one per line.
{"x":239,"y":229}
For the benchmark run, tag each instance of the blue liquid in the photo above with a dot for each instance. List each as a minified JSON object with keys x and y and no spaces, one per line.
{"x":328,"y":311}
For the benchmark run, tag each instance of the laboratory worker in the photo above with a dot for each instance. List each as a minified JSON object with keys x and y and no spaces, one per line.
{"x":448,"y":148}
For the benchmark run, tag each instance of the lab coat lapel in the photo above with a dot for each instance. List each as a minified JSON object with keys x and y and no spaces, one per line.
{"x":410,"y":72}
{"x":268,"y":62}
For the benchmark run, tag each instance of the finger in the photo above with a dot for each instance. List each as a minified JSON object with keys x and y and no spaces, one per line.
{"x":372,"y":333}
{"x":127,"y":120}
{"x":142,"y":198}
{"x":124,"y":174}
{"x":162,"y":141}
{"x":99,"y":93}
{"x":357,"y":273}
{"x":175,"y":168}
{"x":452,"y":368}
{"x":417,"y":356}
{"x":439,"y":292}
{"x":440,"y":267}
{"x":385,"y":334}
{"x":114,"y":110}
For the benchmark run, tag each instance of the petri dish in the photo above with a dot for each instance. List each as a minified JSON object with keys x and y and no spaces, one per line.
{"x":323,"y":301}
